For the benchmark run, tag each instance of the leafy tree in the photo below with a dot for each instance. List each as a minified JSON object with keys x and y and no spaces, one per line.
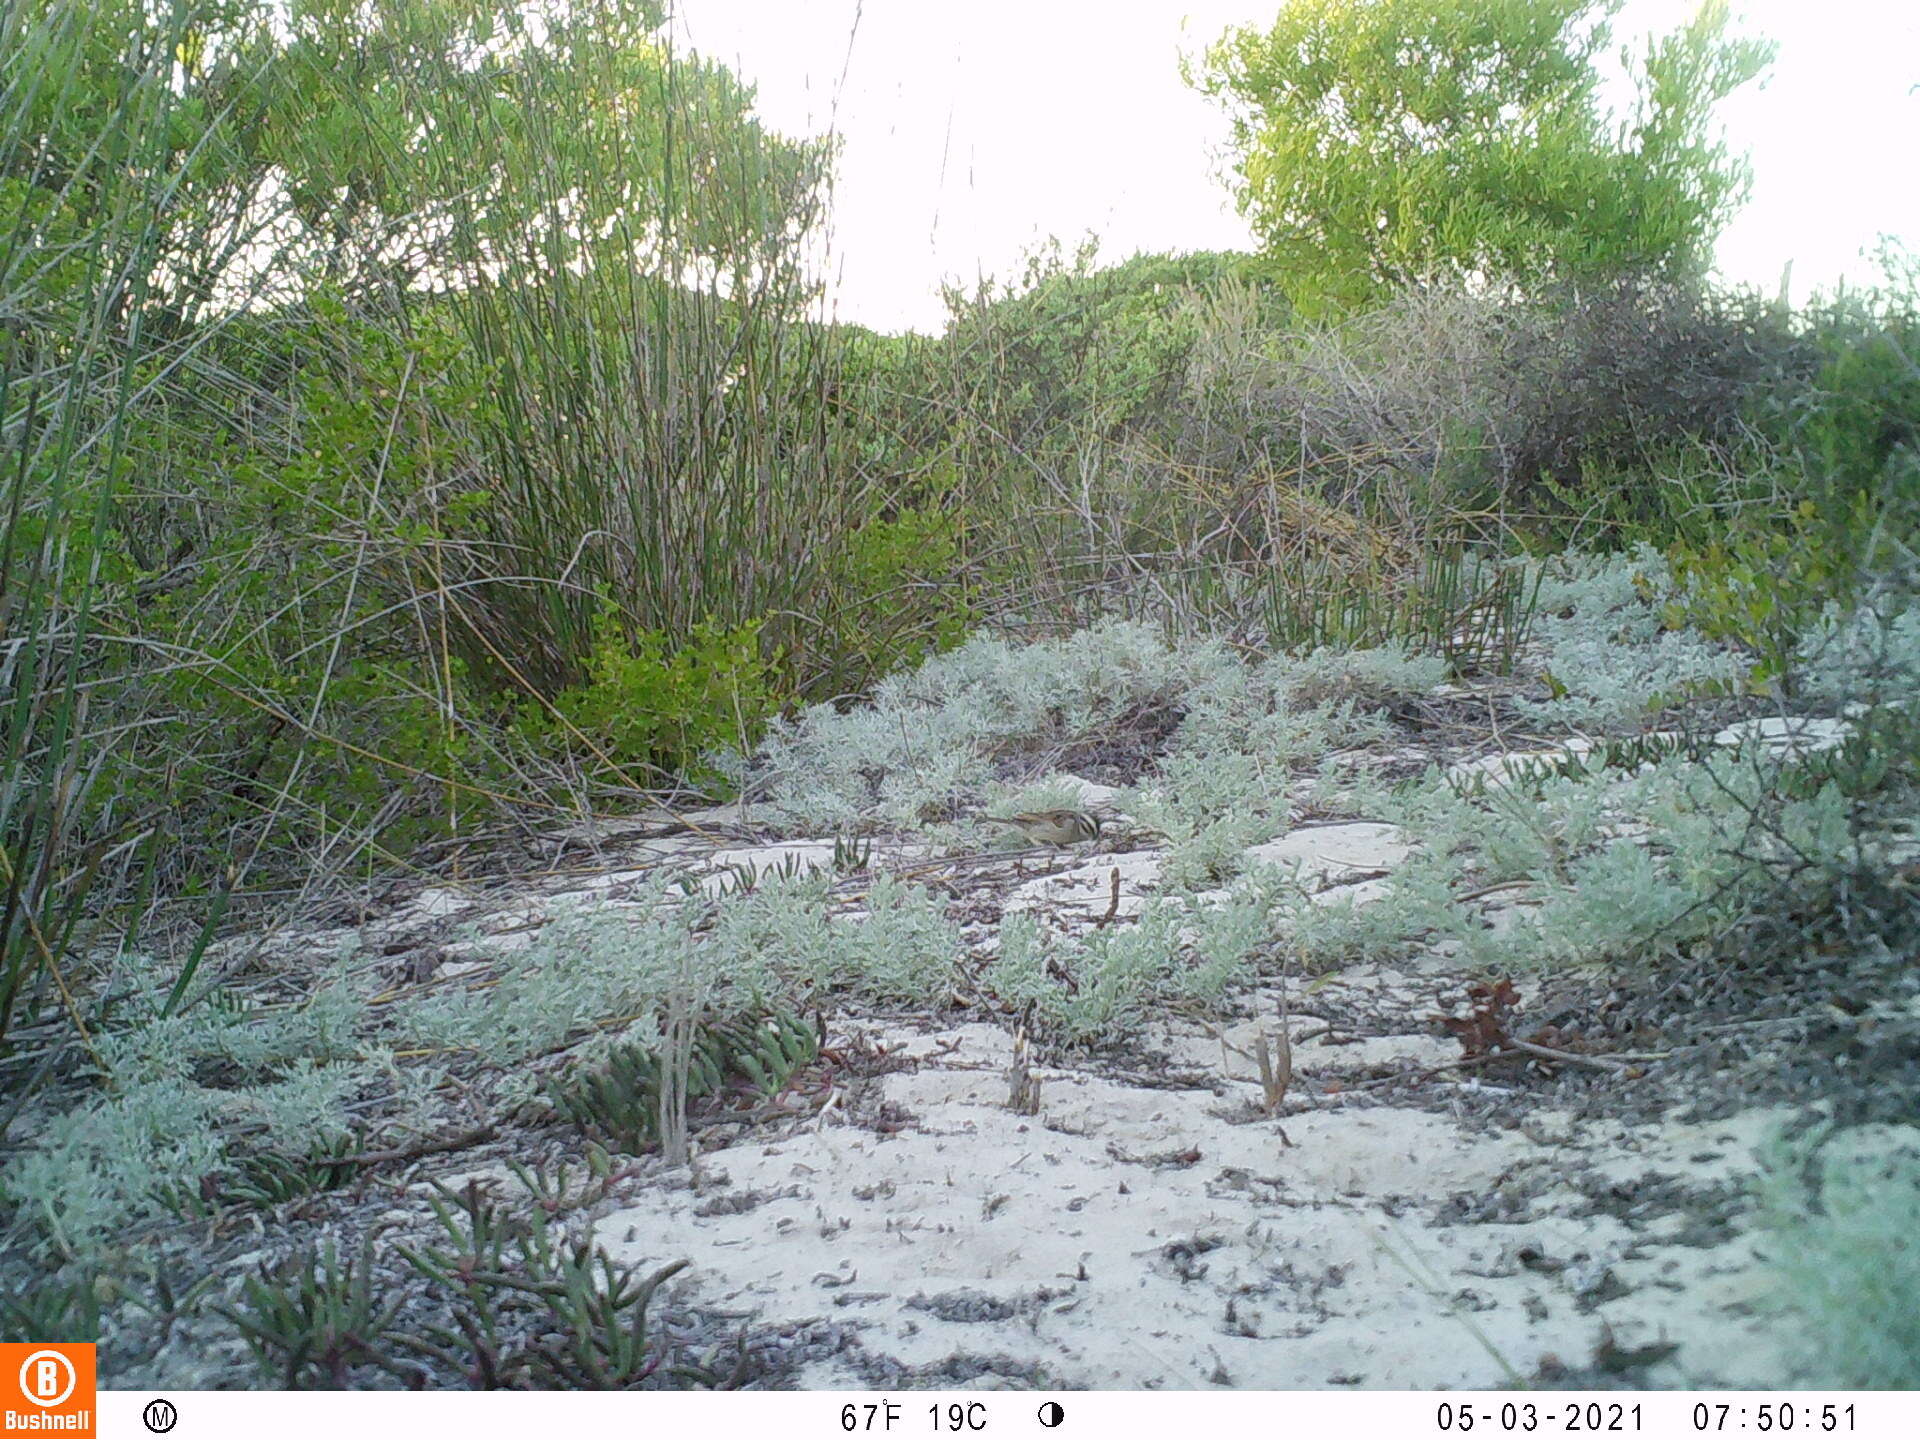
{"x":1378,"y":141}
{"x":439,"y":141}
{"x":123,"y":153}
{"x":369,"y":145}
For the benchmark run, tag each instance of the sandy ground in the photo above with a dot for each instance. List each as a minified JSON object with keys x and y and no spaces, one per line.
{"x":1398,"y":1224}
{"x":1127,"y":1236}
{"x":948,"y":1207}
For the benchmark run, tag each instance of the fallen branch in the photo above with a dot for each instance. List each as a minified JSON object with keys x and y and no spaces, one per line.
{"x":477,"y":1136}
{"x":1511,"y":1049}
{"x":1547,"y":1052}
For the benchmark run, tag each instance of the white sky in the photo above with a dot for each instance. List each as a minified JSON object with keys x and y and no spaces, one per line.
{"x":973,"y":131}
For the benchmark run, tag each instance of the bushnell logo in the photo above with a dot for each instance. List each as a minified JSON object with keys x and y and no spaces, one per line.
{"x":46,"y":1390}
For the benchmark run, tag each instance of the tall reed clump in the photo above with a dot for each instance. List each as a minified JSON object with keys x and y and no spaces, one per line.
{"x":655,"y":448}
{"x":117,"y":193}
{"x":673,"y":529}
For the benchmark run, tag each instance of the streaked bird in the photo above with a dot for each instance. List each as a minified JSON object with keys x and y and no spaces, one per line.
{"x":1052,"y":827}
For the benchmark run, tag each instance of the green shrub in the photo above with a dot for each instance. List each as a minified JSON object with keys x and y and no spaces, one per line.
{"x":1847,"y":431}
{"x":617,"y":1101}
{"x":1776,"y":583}
{"x":1847,"y":1261}
{"x":1091,"y":350}
{"x":894,"y":593}
{"x":1101,"y":987}
{"x":1863,"y":409}
{"x":657,"y":707}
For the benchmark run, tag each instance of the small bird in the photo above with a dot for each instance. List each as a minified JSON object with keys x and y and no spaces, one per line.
{"x":1052,"y":827}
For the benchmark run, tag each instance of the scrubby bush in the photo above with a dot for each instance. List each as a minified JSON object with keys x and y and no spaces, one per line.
{"x":1602,"y":623}
{"x":1102,"y":987}
{"x":930,"y":735}
{"x":1847,"y":1263}
{"x":1469,"y":397}
{"x":1624,"y":374}
{"x":654,"y":709}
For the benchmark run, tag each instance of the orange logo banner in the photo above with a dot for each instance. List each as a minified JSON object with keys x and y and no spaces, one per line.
{"x":46,"y":1390}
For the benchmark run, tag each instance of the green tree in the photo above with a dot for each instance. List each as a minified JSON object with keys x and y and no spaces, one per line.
{"x":436,"y":142}
{"x":1380,"y":141}
{"x":275,"y":146}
